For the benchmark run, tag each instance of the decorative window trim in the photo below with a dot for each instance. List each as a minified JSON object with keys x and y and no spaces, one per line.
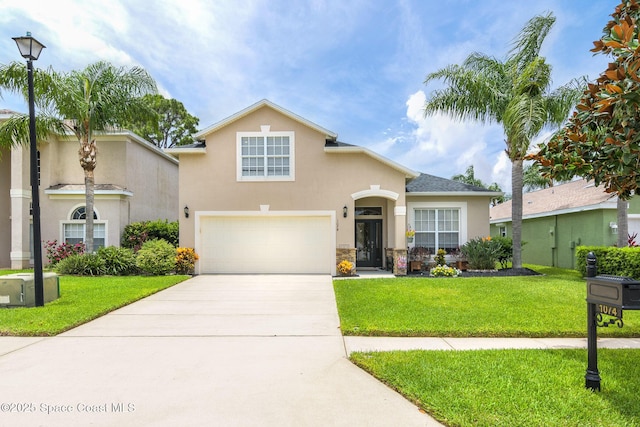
{"x":96,"y":221}
{"x":461,"y":206}
{"x":82,"y":222}
{"x":264,"y":133}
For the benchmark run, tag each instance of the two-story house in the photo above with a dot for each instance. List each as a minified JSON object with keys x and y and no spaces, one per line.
{"x":267,"y":191}
{"x":135,"y":181}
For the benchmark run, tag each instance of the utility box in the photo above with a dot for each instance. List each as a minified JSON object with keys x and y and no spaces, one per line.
{"x":612,"y":294}
{"x":18,"y":290}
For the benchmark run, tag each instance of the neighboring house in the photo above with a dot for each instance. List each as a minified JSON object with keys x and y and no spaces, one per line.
{"x":135,"y":181}
{"x":267,"y":191}
{"x":557,"y":219}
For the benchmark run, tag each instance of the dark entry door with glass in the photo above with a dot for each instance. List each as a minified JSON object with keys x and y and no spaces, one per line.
{"x":369,"y":243}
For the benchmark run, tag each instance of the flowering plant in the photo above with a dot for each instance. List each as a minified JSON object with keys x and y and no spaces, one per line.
{"x":410,"y":232}
{"x":185,"y":260}
{"x":440,"y":257}
{"x":56,"y":252}
{"x":444,"y":271}
{"x":345,"y":268}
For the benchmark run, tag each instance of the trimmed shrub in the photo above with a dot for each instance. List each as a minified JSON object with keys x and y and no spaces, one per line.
{"x":482,"y":253}
{"x":136,"y":233}
{"x":610,"y":260}
{"x":82,"y":265}
{"x":156,"y":257}
{"x":118,"y":261}
{"x":185,"y":260}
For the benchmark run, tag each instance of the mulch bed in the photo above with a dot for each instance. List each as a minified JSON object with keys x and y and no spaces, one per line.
{"x":501,"y":273}
{"x":505,"y":272}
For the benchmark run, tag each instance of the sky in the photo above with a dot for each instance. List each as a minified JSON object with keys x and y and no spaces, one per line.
{"x":355,"y":67}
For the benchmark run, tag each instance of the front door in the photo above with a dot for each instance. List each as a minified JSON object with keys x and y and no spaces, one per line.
{"x":369,"y":243}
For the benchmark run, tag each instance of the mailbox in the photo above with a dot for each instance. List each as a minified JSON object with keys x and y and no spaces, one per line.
{"x":612,"y":294}
{"x":18,"y":290}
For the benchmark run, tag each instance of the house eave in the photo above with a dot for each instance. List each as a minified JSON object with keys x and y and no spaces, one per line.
{"x":605,"y":205}
{"x":362,"y":150}
{"x":176,"y":151}
{"x":455,"y":193}
{"x":265,"y":102}
{"x":124,"y":193}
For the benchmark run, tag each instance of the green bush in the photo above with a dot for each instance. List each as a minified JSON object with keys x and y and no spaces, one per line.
{"x":610,"y":260}
{"x":156,"y":257}
{"x":506,"y":250}
{"x":118,"y":261}
{"x":82,"y":265}
{"x":482,"y":253}
{"x":136,"y":233}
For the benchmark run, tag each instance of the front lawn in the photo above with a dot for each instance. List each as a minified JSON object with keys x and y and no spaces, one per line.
{"x":81,"y":299}
{"x":527,"y":388}
{"x":551,"y":305}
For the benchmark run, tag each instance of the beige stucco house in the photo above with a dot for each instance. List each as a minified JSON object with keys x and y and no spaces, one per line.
{"x":135,"y":181}
{"x":267,"y":191}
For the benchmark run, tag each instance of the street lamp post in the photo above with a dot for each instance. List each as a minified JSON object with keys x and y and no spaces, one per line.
{"x":30,"y":49}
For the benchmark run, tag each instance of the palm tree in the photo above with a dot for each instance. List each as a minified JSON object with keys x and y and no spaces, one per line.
{"x":83,"y":103}
{"x":468,"y":178}
{"x":514,"y":93}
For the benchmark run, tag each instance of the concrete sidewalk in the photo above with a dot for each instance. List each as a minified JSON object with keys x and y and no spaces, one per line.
{"x":214,"y":350}
{"x":363,"y":344}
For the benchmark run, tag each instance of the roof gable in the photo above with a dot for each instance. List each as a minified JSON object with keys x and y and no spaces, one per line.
{"x":575,"y":195}
{"x":260,"y":104}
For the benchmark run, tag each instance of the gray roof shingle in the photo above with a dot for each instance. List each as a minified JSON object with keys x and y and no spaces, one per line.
{"x":426,"y":183}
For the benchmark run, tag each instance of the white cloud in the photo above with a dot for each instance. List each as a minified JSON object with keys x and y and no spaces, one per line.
{"x":442,"y":146}
{"x":501,"y":172}
{"x":79,"y":34}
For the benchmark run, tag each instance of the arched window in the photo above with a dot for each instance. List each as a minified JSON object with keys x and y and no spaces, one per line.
{"x":81,"y":213}
{"x":74,"y":229}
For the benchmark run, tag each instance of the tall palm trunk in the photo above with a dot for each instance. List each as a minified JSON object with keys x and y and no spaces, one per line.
{"x":87,"y":154}
{"x":516,"y":211}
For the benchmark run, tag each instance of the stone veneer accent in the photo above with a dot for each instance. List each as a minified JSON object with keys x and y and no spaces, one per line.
{"x":348,"y":254}
{"x":400,"y":262}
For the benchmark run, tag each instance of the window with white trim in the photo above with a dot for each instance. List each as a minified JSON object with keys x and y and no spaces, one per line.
{"x":265,"y":156}
{"x":437,"y":229}
{"x":73,"y":231}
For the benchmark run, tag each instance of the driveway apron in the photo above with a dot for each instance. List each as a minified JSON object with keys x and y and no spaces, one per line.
{"x":216,"y":350}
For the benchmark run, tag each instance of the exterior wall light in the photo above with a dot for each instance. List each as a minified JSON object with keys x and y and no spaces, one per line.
{"x":186,"y":211}
{"x":345,"y":211}
{"x":614,"y":227}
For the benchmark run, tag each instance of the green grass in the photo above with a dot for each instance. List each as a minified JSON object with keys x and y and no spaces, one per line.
{"x":552,"y":305}
{"x":513,"y":387}
{"x":81,"y":299}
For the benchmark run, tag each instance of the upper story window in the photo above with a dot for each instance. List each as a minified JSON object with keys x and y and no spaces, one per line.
{"x":265,"y":156}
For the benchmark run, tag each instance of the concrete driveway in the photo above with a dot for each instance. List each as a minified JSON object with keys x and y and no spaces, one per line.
{"x":214,"y":350}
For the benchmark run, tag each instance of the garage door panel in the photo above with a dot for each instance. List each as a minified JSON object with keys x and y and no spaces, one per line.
{"x":266,"y":244}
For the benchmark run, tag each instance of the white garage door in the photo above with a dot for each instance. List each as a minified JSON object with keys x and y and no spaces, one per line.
{"x":266,"y":244}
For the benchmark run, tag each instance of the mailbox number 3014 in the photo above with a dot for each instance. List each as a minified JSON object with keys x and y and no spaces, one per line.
{"x":608,"y":310}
